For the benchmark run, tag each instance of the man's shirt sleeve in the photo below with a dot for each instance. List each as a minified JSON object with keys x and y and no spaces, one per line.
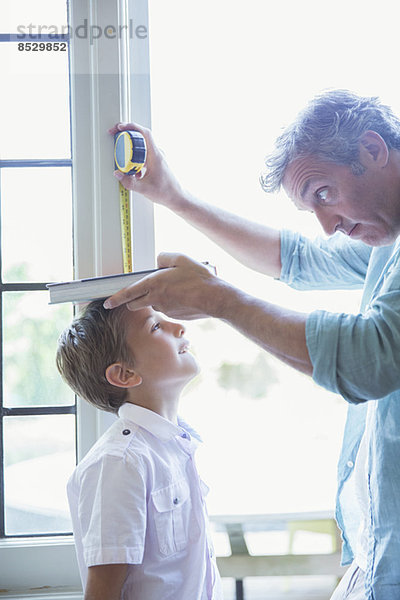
{"x":321,"y":264}
{"x":358,"y":356}
{"x":112,"y":511}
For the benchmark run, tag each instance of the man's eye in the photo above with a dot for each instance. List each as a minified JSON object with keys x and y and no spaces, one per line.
{"x":156,"y":326}
{"x":322,"y":196}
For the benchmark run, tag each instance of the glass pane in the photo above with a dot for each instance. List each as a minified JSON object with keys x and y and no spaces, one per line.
{"x":34,"y":103}
{"x":39,"y":458}
{"x":30,"y":330}
{"x":223,"y":109}
{"x":36,"y":224}
{"x":19,"y":14}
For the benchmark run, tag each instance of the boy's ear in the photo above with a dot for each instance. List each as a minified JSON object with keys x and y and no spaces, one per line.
{"x":122,"y":376}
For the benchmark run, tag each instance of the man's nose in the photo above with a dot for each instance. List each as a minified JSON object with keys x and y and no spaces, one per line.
{"x":330,"y":222}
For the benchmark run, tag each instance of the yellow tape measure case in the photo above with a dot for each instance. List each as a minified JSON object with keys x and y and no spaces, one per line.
{"x":129,"y":151}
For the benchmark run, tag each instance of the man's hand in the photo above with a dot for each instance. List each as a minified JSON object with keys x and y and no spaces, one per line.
{"x":255,"y":245}
{"x":184,"y":289}
{"x":155,"y":180}
{"x":105,"y":582}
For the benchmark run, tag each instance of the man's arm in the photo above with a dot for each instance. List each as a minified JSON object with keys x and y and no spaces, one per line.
{"x":105,"y":582}
{"x":185,"y":289}
{"x":280,"y":331}
{"x":254,"y":245}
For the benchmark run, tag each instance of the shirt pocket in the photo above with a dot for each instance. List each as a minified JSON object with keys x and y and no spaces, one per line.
{"x":172,"y":516}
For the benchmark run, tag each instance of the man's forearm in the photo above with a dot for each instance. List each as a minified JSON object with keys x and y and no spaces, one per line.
{"x":278,"y":330}
{"x":185,"y":289}
{"x":254,"y":245}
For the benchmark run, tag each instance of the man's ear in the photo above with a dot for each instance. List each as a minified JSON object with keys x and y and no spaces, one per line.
{"x":373,"y":149}
{"x":122,"y":376}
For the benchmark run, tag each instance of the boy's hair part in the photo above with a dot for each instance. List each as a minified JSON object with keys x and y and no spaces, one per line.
{"x":95,"y":340}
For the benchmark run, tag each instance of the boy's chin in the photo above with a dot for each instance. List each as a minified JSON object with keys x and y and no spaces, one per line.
{"x":195,"y":370}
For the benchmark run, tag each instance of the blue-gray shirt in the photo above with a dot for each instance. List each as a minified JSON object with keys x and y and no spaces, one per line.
{"x":358,"y":357}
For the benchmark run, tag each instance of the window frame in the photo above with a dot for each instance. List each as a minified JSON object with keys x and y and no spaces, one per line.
{"x":109,"y":82}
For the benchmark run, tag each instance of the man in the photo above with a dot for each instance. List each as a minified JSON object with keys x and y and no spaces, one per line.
{"x":340,"y":159}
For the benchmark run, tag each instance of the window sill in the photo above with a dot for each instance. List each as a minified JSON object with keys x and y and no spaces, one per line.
{"x":43,"y":593}
{"x":39,"y":541}
{"x":49,"y":564}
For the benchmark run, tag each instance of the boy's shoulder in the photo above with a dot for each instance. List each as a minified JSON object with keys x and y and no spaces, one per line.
{"x":116,"y":457}
{"x":138,"y":439}
{"x":116,"y":442}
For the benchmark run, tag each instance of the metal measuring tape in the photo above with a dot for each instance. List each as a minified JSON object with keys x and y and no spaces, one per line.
{"x":129,"y":158}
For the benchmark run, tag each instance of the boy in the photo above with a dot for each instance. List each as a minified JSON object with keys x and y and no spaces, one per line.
{"x":136,"y":500}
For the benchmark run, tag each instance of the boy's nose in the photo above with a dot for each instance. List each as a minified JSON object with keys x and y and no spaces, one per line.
{"x":179,"y":329}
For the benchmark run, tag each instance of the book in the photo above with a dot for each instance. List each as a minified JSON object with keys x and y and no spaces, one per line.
{"x":95,"y":288}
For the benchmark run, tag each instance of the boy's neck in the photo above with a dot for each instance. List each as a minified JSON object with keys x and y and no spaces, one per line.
{"x":165,"y":404}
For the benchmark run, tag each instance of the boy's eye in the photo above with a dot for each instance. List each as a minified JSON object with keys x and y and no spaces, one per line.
{"x":156,"y":326}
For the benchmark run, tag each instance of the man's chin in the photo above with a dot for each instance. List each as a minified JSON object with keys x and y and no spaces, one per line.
{"x":372,"y":237}
{"x":378,"y":241}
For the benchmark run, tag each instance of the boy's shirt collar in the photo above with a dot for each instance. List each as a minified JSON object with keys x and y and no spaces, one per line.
{"x":155,"y":423}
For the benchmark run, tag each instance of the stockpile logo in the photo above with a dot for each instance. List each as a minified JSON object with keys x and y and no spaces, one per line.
{"x":84,"y":31}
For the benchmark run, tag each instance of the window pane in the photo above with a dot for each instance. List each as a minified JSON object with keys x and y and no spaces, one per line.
{"x":216,"y":129}
{"x":36,"y":224}
{"x":31,"y":328}
{"x":20,"y":13}
{"x":39,"y":458}
{"x":34,"y":103}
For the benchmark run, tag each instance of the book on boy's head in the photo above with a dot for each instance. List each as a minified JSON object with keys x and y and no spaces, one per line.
{"x":94,"y":288}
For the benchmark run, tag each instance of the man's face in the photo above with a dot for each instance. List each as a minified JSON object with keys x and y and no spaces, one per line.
{"x":365,"y":207}
{"x":160,"y":352}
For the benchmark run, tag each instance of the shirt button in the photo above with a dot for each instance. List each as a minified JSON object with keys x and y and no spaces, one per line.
{"x":350,"y":464}
{"x":185,"y":436}
{"x":126,"y":432}
{"x":176,"y":500}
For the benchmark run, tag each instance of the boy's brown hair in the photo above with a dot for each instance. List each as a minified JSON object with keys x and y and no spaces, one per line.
{"x":94,"y":341}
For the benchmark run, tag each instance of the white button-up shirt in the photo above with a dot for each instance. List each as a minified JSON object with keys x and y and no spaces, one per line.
{"x":136,"y":498}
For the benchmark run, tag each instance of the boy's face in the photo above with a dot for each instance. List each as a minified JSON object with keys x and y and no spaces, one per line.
{"x":160,"y":352}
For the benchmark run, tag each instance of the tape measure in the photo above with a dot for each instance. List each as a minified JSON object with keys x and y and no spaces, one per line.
{"x":129,"y":157}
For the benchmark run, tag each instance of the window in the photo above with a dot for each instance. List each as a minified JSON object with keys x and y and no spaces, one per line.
{"x":41,"y":205}
{"x":219,"y":73}
{"x":224,"y":80}
{"x":37,"y":410}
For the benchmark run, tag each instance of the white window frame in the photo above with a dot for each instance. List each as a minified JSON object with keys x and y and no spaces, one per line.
{"x":110,"y":82}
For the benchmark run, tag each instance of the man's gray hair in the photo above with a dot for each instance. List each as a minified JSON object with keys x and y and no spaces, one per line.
{"x":329,"y":129}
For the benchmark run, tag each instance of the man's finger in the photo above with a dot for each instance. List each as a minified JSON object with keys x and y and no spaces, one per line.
{"x":128,"y":181}
{"x":175,"y":259}
{"x":168,"y":259}
{"x":127,"y":127}
{"x":134,"y":292}
{"x":139,"y":303}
